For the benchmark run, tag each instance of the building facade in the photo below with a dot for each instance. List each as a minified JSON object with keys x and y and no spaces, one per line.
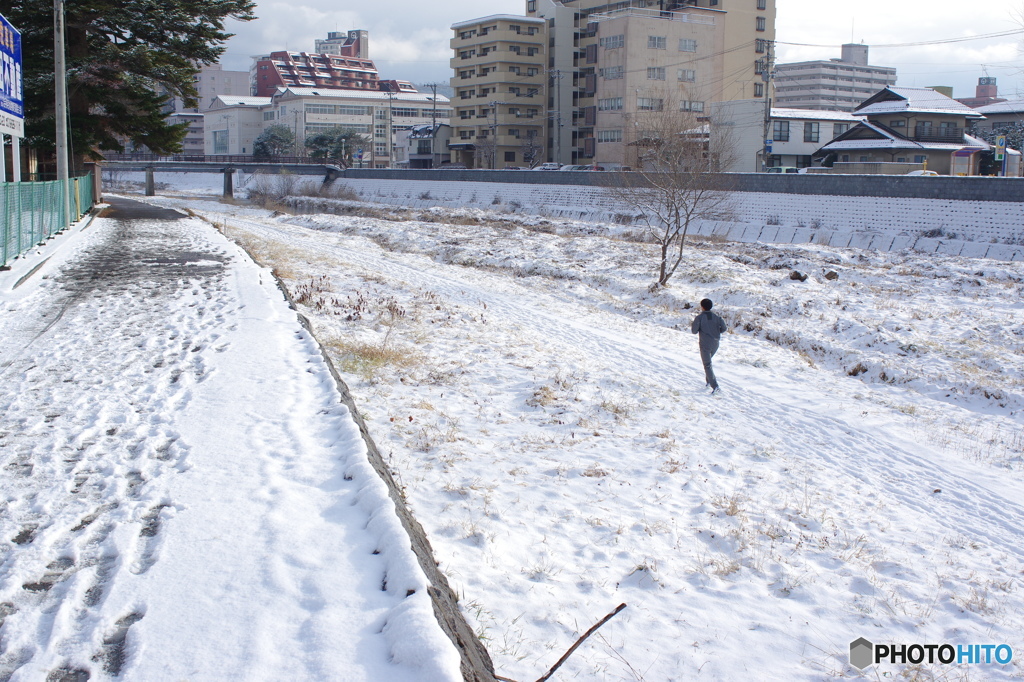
{"x":352,"y":44}
{"x":832,"y":85}
{"x":498,"y":76}
{"x":985,"y":93}
{"x":796,"y":134}
{"x":692,"y":51}
{"x":913,"y":126}
{"x":233,"y":124}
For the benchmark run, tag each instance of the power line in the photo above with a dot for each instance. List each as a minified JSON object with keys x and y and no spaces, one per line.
{"x":944,"y":41}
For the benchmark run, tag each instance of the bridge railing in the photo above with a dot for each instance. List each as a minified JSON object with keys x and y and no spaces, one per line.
{"x":34,"y":212}
{"x":219,"y":158}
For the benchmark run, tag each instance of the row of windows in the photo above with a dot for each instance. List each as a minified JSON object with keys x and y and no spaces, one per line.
{"x":653,"y":42}
{"x":812,"y":130}
{"x":515,"y":28}
{"x":345,"y":110}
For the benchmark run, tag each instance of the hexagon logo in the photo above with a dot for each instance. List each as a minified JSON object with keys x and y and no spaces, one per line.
{"x":862,"y":653}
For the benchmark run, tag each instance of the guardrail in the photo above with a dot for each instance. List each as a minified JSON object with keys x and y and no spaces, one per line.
{"x":34,"y":212}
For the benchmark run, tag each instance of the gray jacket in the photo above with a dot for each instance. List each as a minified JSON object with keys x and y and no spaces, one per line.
{"x":708,"y":325}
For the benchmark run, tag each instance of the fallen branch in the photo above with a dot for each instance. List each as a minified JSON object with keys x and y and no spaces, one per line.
{"x":579,"y":641}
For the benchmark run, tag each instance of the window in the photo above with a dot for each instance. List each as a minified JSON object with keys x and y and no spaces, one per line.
{"x":691,"y":106}
{"x":465,"y":134}
{"x":758,"y":89}
{"x":515,"y":28}
{"x":268,"y":115}
{"x":898,"y":124}
{"x":530,"y":51}
{"x":610,"y":104}
{"x":780,"y":131}
{"x":921,"y":158}
{"x":839,"y":128}
{"x":760,"y":45}
{"x":614,"y":135}
{"x":656,"y":42}
{"x":650,"y":103}
{"x":531,"y":5}
{"x":686,"y":75}
{"x":762,"y":4}
{"x":611,"y":42}
{"x":611,"y":73}
{"x":811,"y":131}
{"x":510,"y":156}
{"x":761,"y":23}
{"x":514,"y":132}
{"x":655,"y":73}
{"x":687,"y":45}
{"x":220,"y":142}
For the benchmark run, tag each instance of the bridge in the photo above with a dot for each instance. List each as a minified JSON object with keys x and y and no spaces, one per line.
{"x":226,"y":166}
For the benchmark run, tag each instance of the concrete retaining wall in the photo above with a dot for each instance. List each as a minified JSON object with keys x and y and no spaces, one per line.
{"x":975,"y":228}
{"x":909,"y":187}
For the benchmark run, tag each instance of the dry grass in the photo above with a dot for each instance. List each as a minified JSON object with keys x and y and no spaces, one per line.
{"x":367,"y":360}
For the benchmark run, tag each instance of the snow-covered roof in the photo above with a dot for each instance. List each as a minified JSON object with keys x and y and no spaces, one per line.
{"x":519,"y":19}
{"x":361,"y":94}
{"x":779,"y":112}
{"x":913,"y":100}
{"x":243,"y":100}
{"x":1013,"y":106}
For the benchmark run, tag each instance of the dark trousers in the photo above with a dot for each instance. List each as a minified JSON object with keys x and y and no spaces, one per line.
{"x":708,"y":348}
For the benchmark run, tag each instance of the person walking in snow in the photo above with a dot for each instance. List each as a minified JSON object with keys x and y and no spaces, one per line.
{"x":709,"y":327}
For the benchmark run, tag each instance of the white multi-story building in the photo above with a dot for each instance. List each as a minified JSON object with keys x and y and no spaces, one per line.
{"x":831,"y":85}
{"x":234,"y":123}
{"x":795,"y":133}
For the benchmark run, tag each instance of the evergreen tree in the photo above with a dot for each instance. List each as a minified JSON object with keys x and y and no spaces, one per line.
{"x":118,"y":54}
{"x":338,"y":144}
{"x":277,"y":140}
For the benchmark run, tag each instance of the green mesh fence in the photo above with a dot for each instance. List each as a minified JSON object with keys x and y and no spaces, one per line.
{"x":34,"y":211}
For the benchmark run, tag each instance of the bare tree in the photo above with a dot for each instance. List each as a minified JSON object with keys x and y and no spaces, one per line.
{"x":677,"y":154}
{"x":531,"y":149}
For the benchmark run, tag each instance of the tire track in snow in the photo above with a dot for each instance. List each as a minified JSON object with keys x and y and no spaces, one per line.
{"x":891,"y":466}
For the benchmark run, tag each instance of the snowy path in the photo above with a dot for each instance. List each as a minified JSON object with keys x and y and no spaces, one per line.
{"x":184,"y":496}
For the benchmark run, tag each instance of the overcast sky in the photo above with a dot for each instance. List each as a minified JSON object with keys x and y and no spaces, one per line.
{"x":409,"y":39}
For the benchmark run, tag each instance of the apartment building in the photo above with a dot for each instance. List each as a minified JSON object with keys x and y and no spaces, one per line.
{"x":235,"y":122}
{"x":351,"y":44}
{"x":498,"y":76}
{"x":712,"y":50}
{"x":831,"y":85}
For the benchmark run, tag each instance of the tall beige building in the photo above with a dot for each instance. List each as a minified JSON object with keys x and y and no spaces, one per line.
{"x":499,"y":76}
{"x":689,"y":53}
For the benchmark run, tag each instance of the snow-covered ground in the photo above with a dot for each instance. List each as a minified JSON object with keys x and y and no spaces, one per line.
{"x":860,"y":475}
{"x":182,"y":495}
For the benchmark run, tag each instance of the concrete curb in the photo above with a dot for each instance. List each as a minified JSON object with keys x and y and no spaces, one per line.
{"x":476,"y":662}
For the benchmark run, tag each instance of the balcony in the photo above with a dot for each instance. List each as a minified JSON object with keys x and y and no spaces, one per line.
{"x":938,"y":134}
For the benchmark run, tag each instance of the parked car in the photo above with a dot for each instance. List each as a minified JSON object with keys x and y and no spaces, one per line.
{"x":581,"y":167}
{"x":783,"y":169}
{"x":925,"y":173}
{"x":549,"y":166}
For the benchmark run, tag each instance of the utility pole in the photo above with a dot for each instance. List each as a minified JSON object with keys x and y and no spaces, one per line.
{"x":391,"y":130}
{"x":61,"y":106}
{"x":433,"y":122}
{"x":558,"y":114}
{"x":767,"y":73}
{"x":494,"y":136}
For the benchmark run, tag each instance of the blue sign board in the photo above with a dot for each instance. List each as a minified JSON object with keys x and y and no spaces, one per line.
{"x":12,"y":99}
